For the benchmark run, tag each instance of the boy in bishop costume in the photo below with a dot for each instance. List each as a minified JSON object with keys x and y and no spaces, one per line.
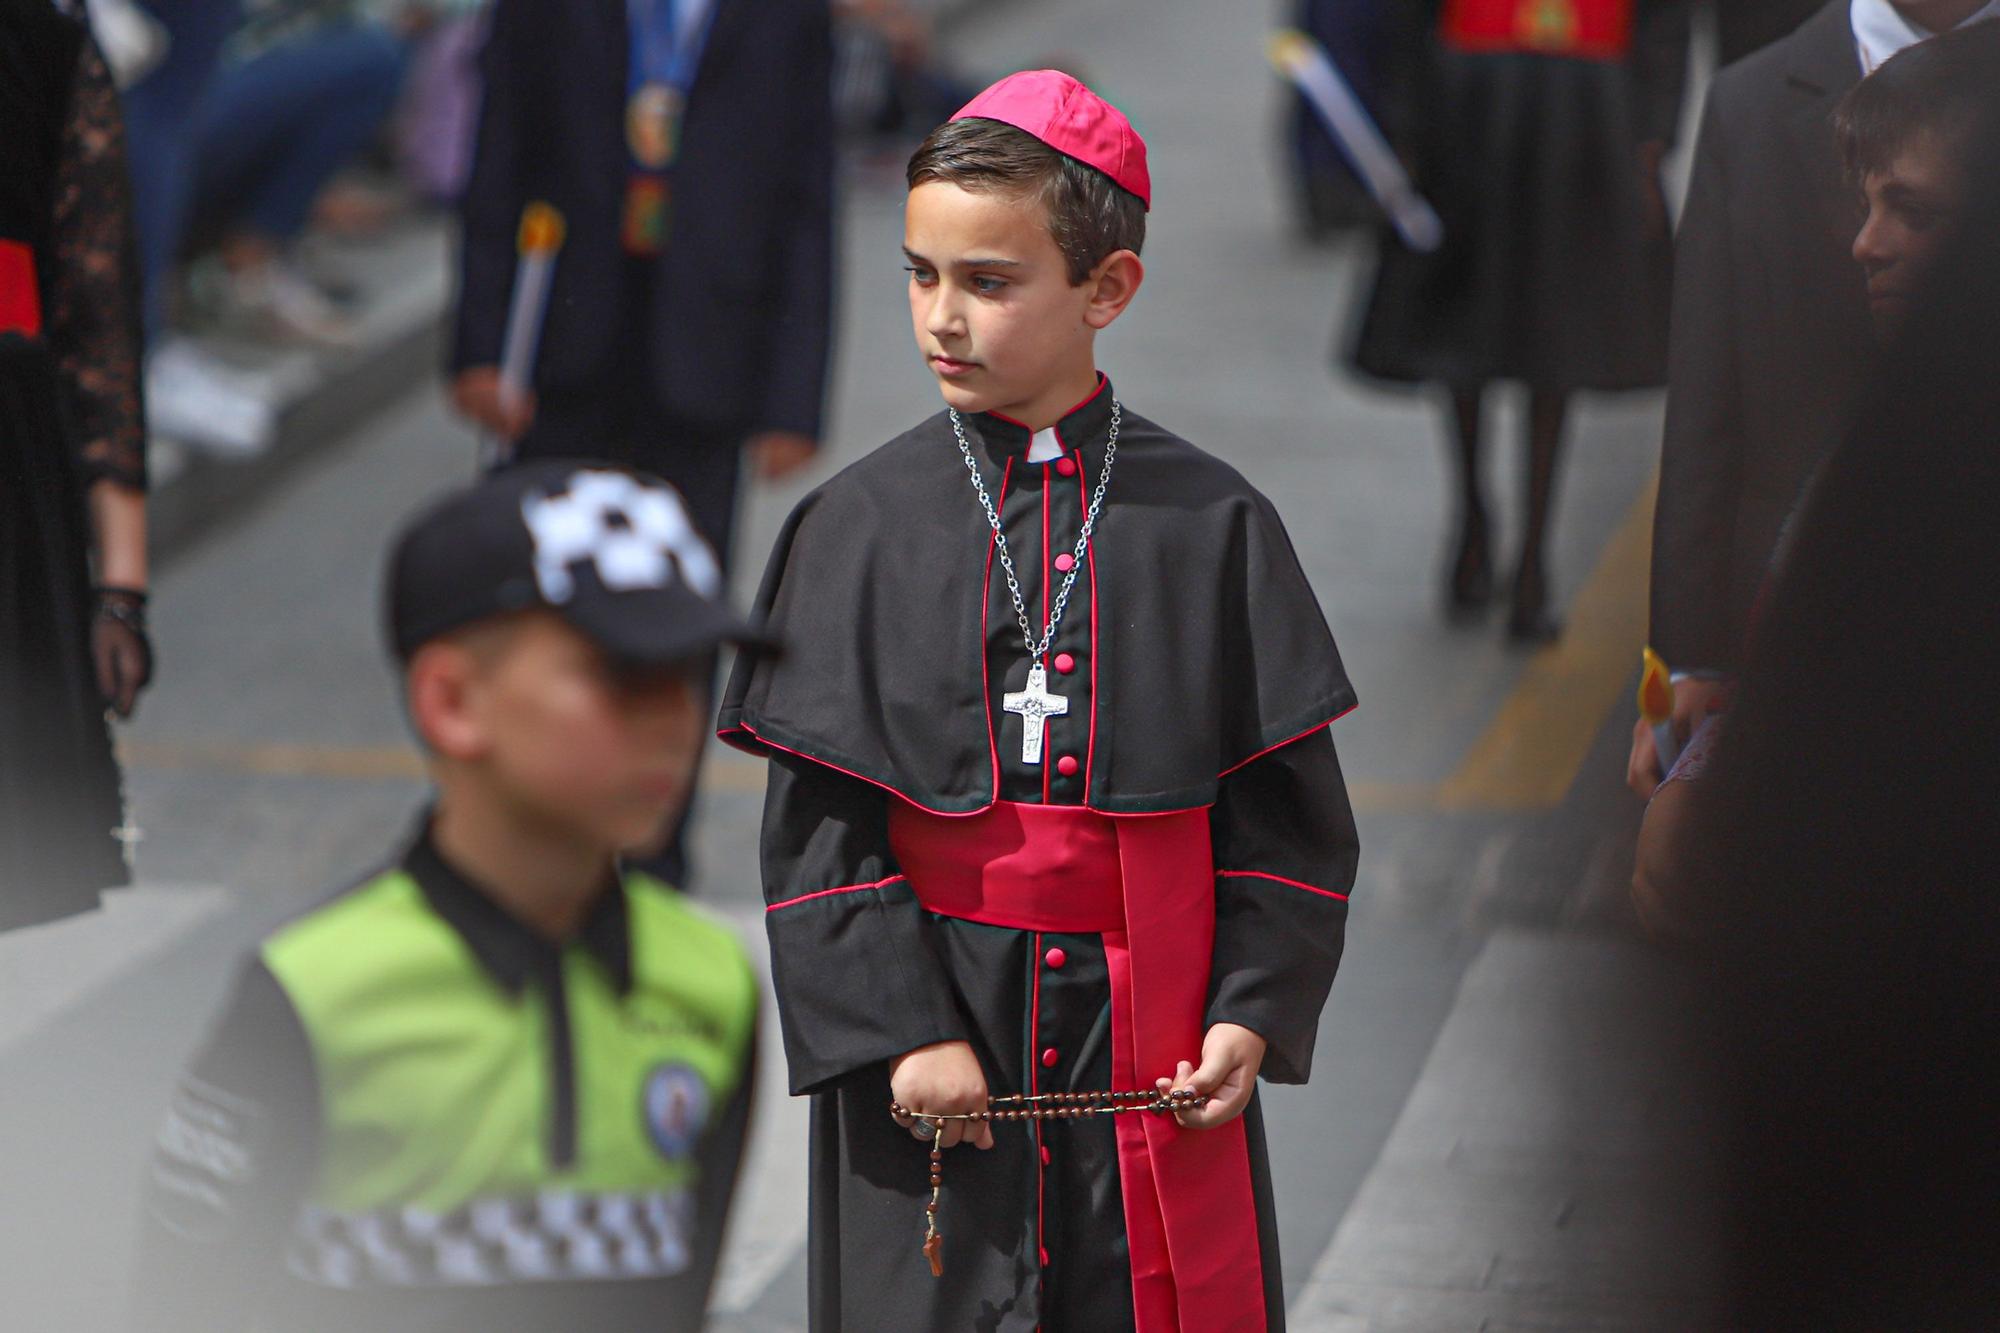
{"x":1053,"y":803}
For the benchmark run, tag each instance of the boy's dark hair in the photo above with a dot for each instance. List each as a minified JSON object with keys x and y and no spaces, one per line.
{"x":1939,"y":87}
{"x":1090,"y":216}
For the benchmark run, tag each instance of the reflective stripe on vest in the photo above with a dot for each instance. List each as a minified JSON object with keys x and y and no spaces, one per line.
{"x":436,"y":1089}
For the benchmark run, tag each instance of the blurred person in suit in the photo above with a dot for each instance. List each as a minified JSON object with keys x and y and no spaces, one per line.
{"x":1842,"y":844}
{"x":1771,"y":334}
{"x":689,"y":145}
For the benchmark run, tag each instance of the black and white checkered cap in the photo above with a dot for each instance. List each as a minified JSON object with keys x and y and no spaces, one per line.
{"x":612,"y":552}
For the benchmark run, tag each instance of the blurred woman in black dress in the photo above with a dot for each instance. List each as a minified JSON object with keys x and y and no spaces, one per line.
{"x":1536,"y":128}
{"x":72,"y":467}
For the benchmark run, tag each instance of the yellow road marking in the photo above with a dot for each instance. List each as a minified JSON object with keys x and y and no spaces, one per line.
{"x":1532,"y":750}
{"x":363,"y":763}
{"x":1526,"y":759}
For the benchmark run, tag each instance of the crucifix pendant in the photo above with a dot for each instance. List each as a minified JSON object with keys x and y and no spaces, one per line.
{"x":1035,"y":706}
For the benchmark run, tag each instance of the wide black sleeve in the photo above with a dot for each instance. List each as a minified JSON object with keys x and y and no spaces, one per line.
{"x":858,"y":980}
{"x":1285,"y":855}
{"x":231,"y":1164}
{"x":1701,"y":453}
{"x":802,"y":337}
{"x":93,"y":322}
{"x":490,"y":211}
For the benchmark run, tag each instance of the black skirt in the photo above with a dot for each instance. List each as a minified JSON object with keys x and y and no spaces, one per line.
{"x":60,"y":795}
{"x":1555,"y":268}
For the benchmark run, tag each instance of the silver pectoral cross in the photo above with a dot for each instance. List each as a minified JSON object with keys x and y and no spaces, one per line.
{"x":1035,"y":706}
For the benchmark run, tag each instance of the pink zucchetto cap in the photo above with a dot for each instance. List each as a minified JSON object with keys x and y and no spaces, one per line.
{"x":1071,"y":119}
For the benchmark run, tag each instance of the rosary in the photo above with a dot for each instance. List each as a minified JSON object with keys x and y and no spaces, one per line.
{"x":1035,"y":1106}
{"x":1035,"y":705}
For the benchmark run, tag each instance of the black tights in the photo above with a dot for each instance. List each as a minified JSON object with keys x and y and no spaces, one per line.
{"x":1548,"y":409}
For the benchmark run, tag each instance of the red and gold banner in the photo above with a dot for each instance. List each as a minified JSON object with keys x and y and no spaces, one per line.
{"x":1580,"y":29}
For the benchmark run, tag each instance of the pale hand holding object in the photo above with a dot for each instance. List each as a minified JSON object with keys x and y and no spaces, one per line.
{"x":943,"y":1078}
{"x":478,"y":396}
{"x":1231,"y":1055}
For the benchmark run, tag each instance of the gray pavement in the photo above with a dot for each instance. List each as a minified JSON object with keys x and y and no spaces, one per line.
{"x":1482,"y":1144}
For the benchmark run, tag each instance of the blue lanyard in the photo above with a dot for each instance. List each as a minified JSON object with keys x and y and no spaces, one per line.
{"x":668,"y":37}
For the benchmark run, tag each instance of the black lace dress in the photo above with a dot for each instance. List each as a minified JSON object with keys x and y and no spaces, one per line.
{"x":69,"y":416}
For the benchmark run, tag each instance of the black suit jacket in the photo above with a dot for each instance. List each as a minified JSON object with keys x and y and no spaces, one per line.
{"x":738,"y":320}
{"x":1770,"y":334}
{"x":1743,"y":26}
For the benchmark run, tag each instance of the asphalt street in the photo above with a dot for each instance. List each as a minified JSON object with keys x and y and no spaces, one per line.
{"x":1480,"y":1147}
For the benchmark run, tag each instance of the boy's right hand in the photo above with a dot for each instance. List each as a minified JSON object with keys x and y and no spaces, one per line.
{"x":476,"y":394}
{"x":943,"y":1078}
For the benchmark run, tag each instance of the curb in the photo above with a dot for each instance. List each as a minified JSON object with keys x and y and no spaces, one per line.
{"x":402,"y":346}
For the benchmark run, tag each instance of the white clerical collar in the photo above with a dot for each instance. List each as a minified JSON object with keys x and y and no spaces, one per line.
{"x":1880,"y":30}
{"x":1046,"y":448}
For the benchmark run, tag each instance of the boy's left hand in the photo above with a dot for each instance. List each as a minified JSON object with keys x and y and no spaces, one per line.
{"x":1231,"y":1055}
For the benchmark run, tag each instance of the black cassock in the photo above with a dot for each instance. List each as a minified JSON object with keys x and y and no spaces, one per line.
{"x":1199,"y":673}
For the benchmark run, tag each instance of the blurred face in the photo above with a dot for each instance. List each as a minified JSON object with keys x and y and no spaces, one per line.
{"x":1912,"y":210}
{"x":543,"y":722}
{"x":995,"y":315}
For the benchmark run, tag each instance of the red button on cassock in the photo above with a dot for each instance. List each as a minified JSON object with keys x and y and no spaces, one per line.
{"x":1049,"y":1058}
{"x":1046,"y":1159}
{"x":1066,"y":467}
{"x":1065,"y":563}
{"x":1067,"y":765}
{"x":1055,"y":958}
{"x":1065,"y":663}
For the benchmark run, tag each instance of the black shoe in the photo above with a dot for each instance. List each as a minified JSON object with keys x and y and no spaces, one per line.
{"x":1531,"y":621}
{"x":1470,"y":588}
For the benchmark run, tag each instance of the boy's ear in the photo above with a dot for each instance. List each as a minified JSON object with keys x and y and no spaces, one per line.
{"x":1113,"y":283}
{"x":442,"y":685}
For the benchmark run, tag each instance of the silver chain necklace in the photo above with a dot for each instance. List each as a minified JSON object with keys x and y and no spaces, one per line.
{"x":1035,"y":705}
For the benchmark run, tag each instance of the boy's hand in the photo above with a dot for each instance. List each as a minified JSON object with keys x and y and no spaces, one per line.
{"x":945,"y":1079}
{"x":476,"y":394}
{"x":1231,"y":1055}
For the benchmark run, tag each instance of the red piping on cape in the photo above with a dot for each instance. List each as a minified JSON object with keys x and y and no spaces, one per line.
{"x":1317,"y":726}
{"x":1278,"y":879}
{"x":827,"y":893}
{"x":751,"y":731}
{"x":765,"y":741}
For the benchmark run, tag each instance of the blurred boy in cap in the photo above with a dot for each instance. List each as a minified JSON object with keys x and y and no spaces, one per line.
{"x":1007,"y":630}
{"x":502,"y":1084}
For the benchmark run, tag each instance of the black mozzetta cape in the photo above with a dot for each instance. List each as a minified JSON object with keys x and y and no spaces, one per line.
{"x":1199,"y":673}
{"x":1209,"y":628}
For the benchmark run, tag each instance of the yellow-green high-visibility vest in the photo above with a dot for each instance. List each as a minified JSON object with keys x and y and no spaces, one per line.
{"x":442,"y":1091}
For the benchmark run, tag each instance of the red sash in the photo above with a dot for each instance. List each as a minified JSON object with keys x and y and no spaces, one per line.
{"x":1189,"y":1217}
{"x":1585,"y":29}
{"x":20,"y":298}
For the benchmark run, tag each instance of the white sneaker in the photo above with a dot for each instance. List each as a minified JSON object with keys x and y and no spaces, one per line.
{"x":195,"y":397}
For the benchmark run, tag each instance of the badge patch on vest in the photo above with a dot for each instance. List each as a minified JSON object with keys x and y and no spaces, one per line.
{"x":675,"y":1105}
